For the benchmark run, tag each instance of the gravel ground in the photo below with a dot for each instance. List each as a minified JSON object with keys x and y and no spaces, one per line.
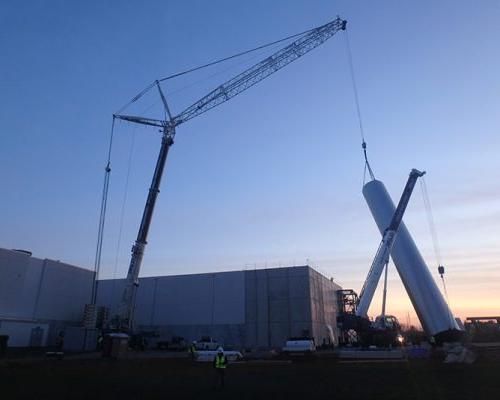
{"x":173,"y":378}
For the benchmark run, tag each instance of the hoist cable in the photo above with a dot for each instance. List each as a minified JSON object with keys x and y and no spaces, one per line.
{"x":211,"y":76}
{"x":233,"y":56}
{"x":137,"y":97}
{"x":367,"y":164}
{"x":354,"y":86}
{"x":153,"y":84}
{"x":358,"y":109}
{"x":102,"y":216}
{"x":435,"y":241}
{"x":430,"y":220}
{"x":445,"y":291}
{"x":123,"y":207}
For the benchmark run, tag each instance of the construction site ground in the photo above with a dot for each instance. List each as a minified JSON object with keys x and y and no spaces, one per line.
{"x":151,"y":376}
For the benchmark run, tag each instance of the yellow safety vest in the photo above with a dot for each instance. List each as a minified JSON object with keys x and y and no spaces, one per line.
{"x":220,"y":362}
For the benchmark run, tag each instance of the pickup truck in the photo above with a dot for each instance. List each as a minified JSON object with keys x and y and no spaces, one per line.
{"x":206,"y":343}
{"x":177,"y":343}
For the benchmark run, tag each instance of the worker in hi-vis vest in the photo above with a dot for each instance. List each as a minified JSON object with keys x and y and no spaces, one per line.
{"x":220,"y":362}
{"x":192,"y":351}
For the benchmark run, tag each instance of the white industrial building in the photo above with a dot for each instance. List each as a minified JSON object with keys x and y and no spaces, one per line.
{"x":257,"y":308}
{"x":38,"y":297}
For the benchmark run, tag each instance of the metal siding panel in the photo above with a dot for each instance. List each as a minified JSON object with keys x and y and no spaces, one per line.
{"x":229,"y":299}
{"x":20,"y":332}
{"x":184,"y":300}
{"x":323,"y":306}
{"x":64,"y":292}
{"x":278,"y":287}
{"x":145,"y":301}
{"x":109,"y":293}
{"x":299,"y":287}
{"x":301,"y":310}
{"x":17,"y":284}
{"x":279,"y":311}
{"x":28,"y":290}
{"x":279,"y":332}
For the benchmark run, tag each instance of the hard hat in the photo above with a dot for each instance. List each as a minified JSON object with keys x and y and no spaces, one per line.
{"x":220,"y":350}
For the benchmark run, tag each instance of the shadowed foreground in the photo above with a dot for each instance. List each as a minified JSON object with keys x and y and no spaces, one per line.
{"x":179,"y":378}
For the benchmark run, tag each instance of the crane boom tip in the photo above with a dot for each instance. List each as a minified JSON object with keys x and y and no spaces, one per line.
{"x":417,"y":172}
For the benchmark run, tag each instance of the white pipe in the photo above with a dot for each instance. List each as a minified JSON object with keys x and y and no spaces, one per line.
{"x":429,"y":304}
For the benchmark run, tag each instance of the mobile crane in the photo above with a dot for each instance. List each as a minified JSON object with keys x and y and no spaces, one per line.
{"x":243,"y":81}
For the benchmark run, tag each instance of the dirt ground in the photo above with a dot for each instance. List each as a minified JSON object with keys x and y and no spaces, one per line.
{"x":161,"y":378}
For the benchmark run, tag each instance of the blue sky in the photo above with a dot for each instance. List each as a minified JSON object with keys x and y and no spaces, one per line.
{"x":274,"y":176}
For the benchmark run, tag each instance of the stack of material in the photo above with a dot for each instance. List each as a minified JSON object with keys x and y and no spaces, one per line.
{"x":457,"y":353}
{"x":102,"y":317}
{"x":90,"y":316}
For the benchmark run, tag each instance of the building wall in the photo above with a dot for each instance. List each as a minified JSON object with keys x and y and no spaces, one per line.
{"x":204,"y":299}
{"x":277,"y":306}
{"x":18,"y":284}
{"x":45,"y":293}
{"x":324,"y":308}
{"x":185,"y":305}
{"x":259,"y":308}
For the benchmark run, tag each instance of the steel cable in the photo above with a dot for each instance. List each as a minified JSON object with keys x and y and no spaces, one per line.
{"x":150,"y":86}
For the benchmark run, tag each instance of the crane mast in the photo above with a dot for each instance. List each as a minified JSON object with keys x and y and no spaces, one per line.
{"x":221,"y":94}
{"x":384,"y":250}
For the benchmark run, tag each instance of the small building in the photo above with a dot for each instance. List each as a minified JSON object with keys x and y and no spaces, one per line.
{"x":252,"y":309}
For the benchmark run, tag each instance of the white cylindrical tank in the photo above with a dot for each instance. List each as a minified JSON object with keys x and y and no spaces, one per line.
{"x":430,"y":306}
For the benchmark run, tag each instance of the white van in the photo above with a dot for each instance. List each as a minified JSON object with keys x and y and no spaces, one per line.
{"x":299,"y":345}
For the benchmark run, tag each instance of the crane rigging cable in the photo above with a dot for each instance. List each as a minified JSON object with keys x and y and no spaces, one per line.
{"x":358,"y":110}
{"x":211,"y":76}
{"x":430,"y":220}
{"x":234,"y":56}
{"x":215,"y":62}
{"x":174,"y":92}
{"x":125,"y":190}
{"x":123,"y":206}
{"x":102,"y":216}
{"x":104,"y":200}
{"x":434,"y":237}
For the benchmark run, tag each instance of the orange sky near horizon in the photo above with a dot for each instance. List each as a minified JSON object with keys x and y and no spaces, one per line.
{"x":468,"y":222}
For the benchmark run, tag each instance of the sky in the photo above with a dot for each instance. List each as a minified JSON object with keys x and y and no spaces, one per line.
{"x":274,"y":176}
